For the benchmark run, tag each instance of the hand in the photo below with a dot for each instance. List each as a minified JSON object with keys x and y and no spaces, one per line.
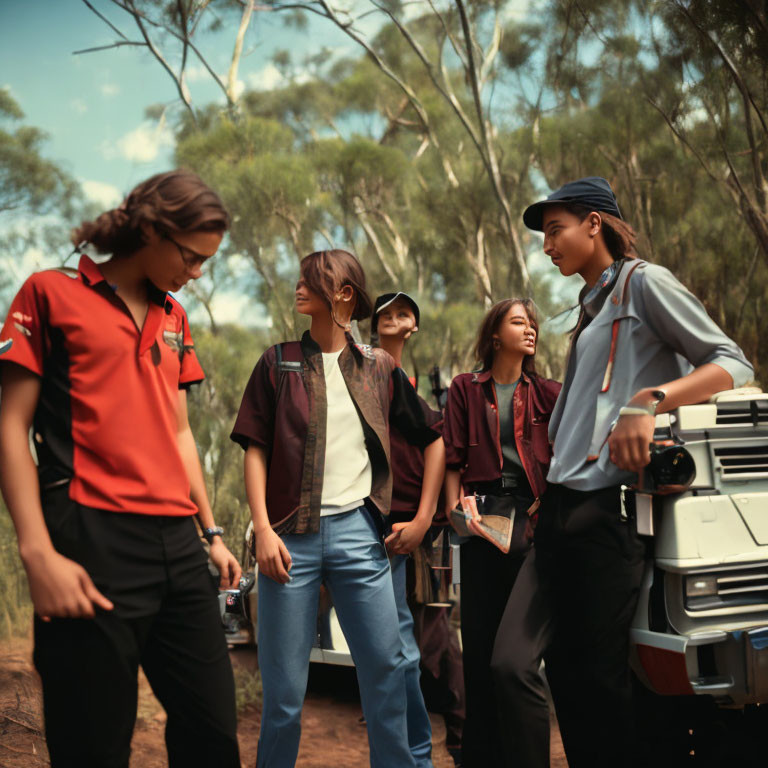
{"x":226,"y":564}
{"x":630,"y":440}
{"x":60,"y":588}
{"x":272,"y":556}
{"x":405,"y":537}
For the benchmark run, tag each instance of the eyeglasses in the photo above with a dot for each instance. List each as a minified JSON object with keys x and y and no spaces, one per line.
{"x":192,"y":259}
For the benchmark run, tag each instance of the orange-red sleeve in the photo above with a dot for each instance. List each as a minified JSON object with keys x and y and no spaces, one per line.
{"x":25,"y":327}
{"x":191,"y":370}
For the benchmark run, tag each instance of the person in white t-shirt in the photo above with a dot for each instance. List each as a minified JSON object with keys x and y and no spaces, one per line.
{"x":314,"y":423}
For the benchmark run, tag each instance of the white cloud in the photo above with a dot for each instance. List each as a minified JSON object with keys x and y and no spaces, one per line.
{"x":79,"y":106}
{"x":109,"y":90}
{"x":266,"y":79}
{"x":106,"y":195}
{"x":196,"y":74}
{"x":19,"y":269}
{"x":141,"y":145}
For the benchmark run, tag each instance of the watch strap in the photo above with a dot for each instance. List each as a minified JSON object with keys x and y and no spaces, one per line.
{"x":209,"y":533}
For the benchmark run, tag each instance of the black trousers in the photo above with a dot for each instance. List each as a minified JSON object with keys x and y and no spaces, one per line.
{"x":165,"y":619}
{"x":442,"y":673}
{"x":487,"y":577}
{"x":573,"y":605}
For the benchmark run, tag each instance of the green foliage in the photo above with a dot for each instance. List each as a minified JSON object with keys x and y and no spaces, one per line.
{"x":28,"y":181}
{"x":15,"y":603}
{"x":227,"y":357}
{"x":248,"y":688}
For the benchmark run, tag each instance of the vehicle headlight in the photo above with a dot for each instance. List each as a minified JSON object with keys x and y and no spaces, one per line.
{"x":700,"y":586}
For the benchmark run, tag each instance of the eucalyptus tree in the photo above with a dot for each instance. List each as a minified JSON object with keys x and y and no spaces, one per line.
{"x":29,"y":182}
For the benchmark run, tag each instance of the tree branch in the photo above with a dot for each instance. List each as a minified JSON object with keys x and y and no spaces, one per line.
{"x":401,"y":84}
{"x":687,"y":144}
{"x":105,"y":20}
{"x":138,"y":16}
{"x":245,"y":20}
{"x":748,"y":101}
{"x":457,"y":49}
{"x":118,"y":44}
{"x":489,"y":154}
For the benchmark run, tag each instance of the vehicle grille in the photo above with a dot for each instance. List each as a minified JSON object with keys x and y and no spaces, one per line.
{"x":745,"y":587}
{"x":750,"y":413}
{"x":743,"y":462}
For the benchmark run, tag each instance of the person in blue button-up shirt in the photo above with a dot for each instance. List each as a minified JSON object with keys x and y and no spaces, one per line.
{"x":643,"y":344}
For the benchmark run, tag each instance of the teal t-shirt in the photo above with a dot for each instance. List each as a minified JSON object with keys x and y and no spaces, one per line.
{"x":512,"y":466}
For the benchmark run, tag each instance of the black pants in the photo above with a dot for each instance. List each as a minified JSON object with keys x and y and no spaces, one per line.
{"x":165,"y":619}
{"x":573,"y":604}
{"x":442,"y":674}
{"x":487,"y":577}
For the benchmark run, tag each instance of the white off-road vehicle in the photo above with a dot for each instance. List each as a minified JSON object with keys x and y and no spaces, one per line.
{"x":701,"y":625}
{"x":239,"y":613}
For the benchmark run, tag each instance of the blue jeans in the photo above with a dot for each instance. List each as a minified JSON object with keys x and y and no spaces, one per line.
{"x":419,"y":727}
{"x":349,"y":557}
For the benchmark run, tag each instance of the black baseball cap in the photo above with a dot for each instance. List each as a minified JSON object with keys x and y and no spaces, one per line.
{"x":385,"y":300}
{"x":593,"y":191}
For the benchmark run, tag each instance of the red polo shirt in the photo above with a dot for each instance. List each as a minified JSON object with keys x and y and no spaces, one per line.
{"x":107,"y":415}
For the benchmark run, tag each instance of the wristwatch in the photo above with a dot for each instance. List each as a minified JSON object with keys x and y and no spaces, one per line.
{"x":209,"y":533}
{"x":649,"y":409}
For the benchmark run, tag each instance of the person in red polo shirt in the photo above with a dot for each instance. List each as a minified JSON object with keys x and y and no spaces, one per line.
{"x":98,"y":369}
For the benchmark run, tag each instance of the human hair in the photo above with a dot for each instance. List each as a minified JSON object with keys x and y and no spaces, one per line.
{"x":484,"y":349}
{"x":620,"y":238}
{"x":326,"y":272}
{"x":174,"y":201}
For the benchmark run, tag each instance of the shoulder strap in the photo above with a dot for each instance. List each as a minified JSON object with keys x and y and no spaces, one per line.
{"x":292,"y":364}
{"x":620,"y":292}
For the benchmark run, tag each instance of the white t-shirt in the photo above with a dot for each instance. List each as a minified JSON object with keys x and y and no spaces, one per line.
{"x":348,"y":475}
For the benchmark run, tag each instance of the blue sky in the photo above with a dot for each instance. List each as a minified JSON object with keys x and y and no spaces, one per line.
{"x":92,"y":105}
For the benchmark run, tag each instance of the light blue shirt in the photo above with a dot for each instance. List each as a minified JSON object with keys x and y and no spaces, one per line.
{"x":658,"y":331}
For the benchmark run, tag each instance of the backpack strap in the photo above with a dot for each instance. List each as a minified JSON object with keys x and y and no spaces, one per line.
{"x":293,"y":364}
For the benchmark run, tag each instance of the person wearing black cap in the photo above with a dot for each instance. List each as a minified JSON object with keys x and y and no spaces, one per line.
{"x":416,"y":475}
{"x":642,"y":345}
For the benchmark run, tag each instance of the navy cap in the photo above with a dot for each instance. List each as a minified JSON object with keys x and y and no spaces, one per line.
{"x":385,"y":300}
{"x":594,"y":192}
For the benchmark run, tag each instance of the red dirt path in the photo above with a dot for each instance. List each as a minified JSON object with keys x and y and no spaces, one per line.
{"x":332,"y":736}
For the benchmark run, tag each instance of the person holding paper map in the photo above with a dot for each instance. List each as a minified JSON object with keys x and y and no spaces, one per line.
{"x":497,"y":455}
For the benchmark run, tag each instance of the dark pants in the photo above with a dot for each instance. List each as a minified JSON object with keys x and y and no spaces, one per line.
{"x":442,"y":674}
{"x":165,"y":619}
{"x":576,"y":602}
{"x":487,"y":577}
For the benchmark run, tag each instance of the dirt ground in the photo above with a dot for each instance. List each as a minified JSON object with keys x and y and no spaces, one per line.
{"x":332,"y":735}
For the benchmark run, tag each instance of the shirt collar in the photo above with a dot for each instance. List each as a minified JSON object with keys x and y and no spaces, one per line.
{"x":90,"y":271}
{"x":607,"y":277}
{"x":484,"y":376}
{"x":92,"y":275}
{"x":593,"y":299}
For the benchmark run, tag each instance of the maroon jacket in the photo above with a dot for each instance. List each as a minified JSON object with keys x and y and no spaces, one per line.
{"x":284,"y":411}
{"x":471,"y":430}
